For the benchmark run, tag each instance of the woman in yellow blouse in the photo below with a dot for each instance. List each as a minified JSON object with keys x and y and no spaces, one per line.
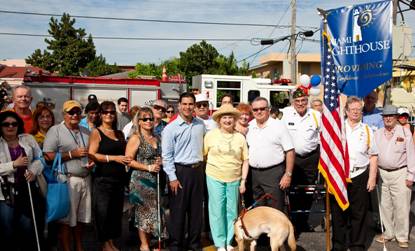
{"x":226,"y":171}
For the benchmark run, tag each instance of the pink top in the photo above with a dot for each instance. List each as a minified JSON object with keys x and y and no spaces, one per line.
{"x":396,"y":149}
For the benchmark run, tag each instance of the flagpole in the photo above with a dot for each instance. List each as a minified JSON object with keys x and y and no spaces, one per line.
{"x":327,"y":218}
{"x":324,"y":13}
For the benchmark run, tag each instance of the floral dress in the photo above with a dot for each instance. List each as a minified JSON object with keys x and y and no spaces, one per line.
{"x":143,"y":191}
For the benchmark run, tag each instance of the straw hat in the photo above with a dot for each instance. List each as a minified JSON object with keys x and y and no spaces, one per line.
{"x":226,"y":109}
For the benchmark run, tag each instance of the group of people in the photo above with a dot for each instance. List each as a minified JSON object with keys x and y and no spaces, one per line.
{"x":211,"y":161}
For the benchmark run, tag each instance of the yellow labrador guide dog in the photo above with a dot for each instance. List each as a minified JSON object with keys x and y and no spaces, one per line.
{"x":252,"y":223}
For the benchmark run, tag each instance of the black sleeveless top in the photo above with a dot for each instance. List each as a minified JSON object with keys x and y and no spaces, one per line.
{"x":108,"y":146}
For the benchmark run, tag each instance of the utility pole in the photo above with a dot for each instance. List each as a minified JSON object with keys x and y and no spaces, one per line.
{"x":292,"y":42}
{"x":388,"y":85}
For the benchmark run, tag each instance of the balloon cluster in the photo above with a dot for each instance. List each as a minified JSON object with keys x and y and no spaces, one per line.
{"x":311,"y":83}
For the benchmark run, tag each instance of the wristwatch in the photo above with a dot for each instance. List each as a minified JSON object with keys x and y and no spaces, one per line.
{"x":289,"y":174}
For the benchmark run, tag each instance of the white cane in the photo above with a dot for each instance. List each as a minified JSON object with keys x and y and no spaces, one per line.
{"x":158,"y":209}
{"x":33,"y":213}
{"x":380,"y":218}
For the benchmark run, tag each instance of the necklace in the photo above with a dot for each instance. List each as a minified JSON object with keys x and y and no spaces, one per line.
{"x":106,"y":129}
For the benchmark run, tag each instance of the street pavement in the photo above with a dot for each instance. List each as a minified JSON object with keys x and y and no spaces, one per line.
{"x":310,"y":241}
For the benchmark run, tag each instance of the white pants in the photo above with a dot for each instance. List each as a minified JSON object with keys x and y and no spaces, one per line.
{"x":395,"y":203}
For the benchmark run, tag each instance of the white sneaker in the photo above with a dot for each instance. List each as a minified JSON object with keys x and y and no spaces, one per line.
{"x":230,"y":248}
{"x":221,"y":249}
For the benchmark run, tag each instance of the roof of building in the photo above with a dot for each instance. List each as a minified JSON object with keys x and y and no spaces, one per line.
{"x":279,"y":57}
{"x":18,"y":72}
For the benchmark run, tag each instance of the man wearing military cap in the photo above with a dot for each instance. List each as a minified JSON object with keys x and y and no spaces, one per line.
{"x":303,"y":124}
{"x":396,"y":163}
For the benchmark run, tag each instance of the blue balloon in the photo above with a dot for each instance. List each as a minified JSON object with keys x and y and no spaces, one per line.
{"x":315,"y":80}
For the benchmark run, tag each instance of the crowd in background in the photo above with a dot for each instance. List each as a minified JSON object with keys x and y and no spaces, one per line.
{"x":205,"y":161}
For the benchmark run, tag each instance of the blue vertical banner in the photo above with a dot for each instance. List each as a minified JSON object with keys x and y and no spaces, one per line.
{"x":360,"y":42}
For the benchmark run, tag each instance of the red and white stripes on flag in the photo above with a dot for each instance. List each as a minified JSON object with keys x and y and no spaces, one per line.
{"x":334,"y":159}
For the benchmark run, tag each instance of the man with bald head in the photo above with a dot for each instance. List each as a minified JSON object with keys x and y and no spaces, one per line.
{"x":22,"y":98}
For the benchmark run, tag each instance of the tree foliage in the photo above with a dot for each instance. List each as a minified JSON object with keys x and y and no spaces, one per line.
{"x":98,"y":67}
{"x":200,"y":58}
{"x":69,"y":50}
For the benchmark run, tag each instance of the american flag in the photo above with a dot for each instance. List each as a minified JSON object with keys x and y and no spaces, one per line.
{"x":334,"y":163}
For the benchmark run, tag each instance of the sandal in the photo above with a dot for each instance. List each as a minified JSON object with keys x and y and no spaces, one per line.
{"x":382,"y":239}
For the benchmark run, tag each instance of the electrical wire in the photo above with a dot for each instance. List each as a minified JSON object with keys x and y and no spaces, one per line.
{"x":150,"y":20}
{"x":135,"y":38}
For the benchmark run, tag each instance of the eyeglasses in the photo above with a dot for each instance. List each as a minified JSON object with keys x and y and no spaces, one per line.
{"x":198,"y":105}
{"x":146,"y":119}
{"x":108,"y":112}
{"x":9,"y":124}
{"x":159,"y":108}
{"x":259,"y":109}
{"x":74,"y":112}
{"x":169,"y":111}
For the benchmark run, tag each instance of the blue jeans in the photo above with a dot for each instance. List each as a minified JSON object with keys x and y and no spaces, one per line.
{"x":17,"y":230}
{"x":223,"y":209}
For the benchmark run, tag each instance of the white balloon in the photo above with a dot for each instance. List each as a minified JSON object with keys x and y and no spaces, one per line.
{"x":305,"y":80}
{"x":314,"y":91}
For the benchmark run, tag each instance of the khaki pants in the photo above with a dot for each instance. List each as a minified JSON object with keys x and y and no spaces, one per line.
{"x":395,"y":202}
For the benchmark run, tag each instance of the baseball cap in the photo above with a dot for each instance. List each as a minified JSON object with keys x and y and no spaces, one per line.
{"x":403,"y":110}
{"x":70,"y":104}
{"x":201,"y":98}
{"x":92,"y":97}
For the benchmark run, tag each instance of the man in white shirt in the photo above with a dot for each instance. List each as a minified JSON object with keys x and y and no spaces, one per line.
{"x":303,"y":124}
{"x":202,"y":111}
{"x":271,"y":154}
{"x":362,"y":153}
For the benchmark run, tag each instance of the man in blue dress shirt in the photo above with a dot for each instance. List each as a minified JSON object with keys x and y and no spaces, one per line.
{"x":372,"y":116}
{"x":182,"y":153}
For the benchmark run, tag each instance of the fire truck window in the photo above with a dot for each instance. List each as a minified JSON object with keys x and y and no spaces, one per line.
{"x":279,"y":99}
{"x":232,"y":88}
{"x":229,"y":84}
{"x":252,"y":94}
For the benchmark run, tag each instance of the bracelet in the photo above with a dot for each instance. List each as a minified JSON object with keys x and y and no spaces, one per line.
{"x":70,"y":155}
{"x":108,"y":159}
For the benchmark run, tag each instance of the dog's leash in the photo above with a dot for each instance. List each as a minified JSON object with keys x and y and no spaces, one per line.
{"x":245,"y":210}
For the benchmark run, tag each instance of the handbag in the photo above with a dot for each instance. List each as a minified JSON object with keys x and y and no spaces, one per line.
{"x":57,"y":198}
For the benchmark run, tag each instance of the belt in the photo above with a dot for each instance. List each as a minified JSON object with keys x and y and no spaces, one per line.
{"x":195,"y":165}
{"x":266,"y":168}
{"x":75,"y":175}
{"x":307,"y":154}
{"x":391,"y":170}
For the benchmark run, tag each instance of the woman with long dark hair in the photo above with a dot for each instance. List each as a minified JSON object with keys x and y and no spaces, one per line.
{"x":19,"y":165}
{"x":145,"y":149}
{"x":106,"y":149}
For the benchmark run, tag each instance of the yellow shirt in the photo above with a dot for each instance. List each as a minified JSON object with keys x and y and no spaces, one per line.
{"x":225,"y":155}
{"x":39,"y":137}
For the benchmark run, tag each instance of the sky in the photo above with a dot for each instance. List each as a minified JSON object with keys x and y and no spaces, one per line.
{"x":130,"y":52}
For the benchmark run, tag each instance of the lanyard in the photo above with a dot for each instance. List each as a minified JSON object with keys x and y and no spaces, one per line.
{"x":74,"y":138}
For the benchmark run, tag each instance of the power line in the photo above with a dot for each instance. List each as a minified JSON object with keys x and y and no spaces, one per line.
{"x":151,"y":20}
{"x":136,"y":38}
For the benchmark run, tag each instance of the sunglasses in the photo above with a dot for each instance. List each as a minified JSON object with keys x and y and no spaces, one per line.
{"x":146,"y":119}
{"x":159,"y":108}
{"x":169,"y":111}
{"x":74,"y":112}
{"x":108,"y":112}
{"x":198,"y":105}
{"x":8,"y":124}
{"x":259,"y":109}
